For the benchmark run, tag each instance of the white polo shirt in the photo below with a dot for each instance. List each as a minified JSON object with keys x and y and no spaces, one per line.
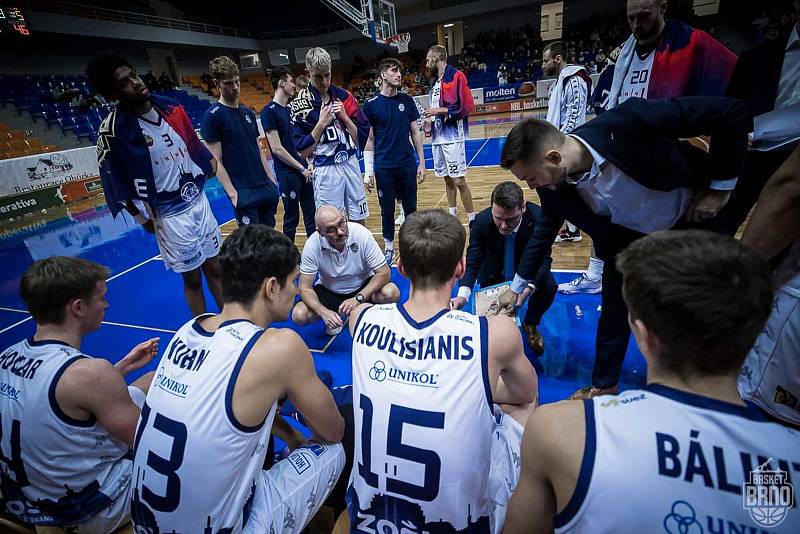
{"x":343,"y":272}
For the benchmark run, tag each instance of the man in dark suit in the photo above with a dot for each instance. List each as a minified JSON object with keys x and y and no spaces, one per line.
{"x":766,"y":77}
{"x":620,"y":176}
{"x":497,"y":243}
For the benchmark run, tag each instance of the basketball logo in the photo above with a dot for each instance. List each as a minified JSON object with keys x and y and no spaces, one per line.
{"x":768,"y":495}
{"x":148,"y":140}
{"x":189,"y":191}
{"x":401,"y":107}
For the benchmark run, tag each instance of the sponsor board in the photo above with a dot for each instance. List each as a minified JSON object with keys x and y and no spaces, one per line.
{"x":37,"y":200}
{"x":514,"y":105}
{"x":40,"y":171}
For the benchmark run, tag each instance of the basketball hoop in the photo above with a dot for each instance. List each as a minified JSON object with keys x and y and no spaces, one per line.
{"x":399,"y":41}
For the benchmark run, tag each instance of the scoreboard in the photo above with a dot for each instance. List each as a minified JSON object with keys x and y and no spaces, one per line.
{"x":12,"y":21}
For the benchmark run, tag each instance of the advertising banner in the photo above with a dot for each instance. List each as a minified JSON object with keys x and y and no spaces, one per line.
{"x":23,"y":175}
{"x":505,"y":93}
{"x":525,"y":104}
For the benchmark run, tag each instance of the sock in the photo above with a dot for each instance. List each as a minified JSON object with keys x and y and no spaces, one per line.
{"x":571,"y":228}
{"x":595,"y":271}
{"x":453,"y":211}
{"x":387,"y":244}
{"x":470,"y":217}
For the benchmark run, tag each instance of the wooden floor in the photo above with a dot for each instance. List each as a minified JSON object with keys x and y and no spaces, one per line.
{"x":482,"y":180}
{"x":431,"y":194}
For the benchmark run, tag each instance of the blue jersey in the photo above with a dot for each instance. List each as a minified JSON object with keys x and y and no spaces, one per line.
{"x":276,"y":117}
{"x":391,"y":117}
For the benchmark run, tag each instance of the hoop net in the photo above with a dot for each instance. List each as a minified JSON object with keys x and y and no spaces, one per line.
{"x":399,"y":41}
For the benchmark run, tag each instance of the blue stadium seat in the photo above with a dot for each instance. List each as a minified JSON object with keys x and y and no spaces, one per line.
{"x":86,"y":130}
{"x":67,"y":123}
{"x":51,"y":117}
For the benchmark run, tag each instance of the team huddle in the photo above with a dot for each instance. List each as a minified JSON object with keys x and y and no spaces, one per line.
{"x":441,"y":430}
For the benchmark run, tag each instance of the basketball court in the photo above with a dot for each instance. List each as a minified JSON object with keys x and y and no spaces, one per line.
{"x":146,"y":300}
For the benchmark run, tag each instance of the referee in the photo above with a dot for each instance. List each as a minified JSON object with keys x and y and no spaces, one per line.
{"x":389,"y":154}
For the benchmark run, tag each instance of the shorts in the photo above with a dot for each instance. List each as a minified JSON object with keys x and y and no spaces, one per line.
{"x":341,"y":185}
{"x":189,"y":238}
{"x":117,"y":513}
{"x":288,"y":495}
{"x":770,"y":376}
{"x":332,"y":300}
{"x":504,"y":471}
{"x":449,"y":159}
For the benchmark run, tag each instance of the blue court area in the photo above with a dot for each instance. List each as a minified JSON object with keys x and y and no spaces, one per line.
{"x":146,"y":300}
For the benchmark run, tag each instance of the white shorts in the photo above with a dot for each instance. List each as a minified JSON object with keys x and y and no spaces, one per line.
{"x":341,"y":185}
{"x":770,"y":376}
{"x":449,"y":159}
{"x":288,"y":495}
{"x":117,"y":513}
{"x":189,"y":238}
{"x":504,"y":471}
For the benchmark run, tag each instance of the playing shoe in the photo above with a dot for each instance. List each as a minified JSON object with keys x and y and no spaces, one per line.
{"x":582,"y":284}
{"x":565,"y":236}
{"x":389,"y":255}
{"x":400,"y":218}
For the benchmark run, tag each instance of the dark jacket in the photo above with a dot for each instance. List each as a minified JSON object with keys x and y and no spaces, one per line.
{"x":757,"y":74}
{"x":486,"y":251}
{"x":641,"y":137}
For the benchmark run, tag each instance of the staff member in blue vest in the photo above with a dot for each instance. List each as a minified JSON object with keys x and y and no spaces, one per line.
{"x":294,"y":176}
{"x":389,"y":155}
{"x":231,"y":134}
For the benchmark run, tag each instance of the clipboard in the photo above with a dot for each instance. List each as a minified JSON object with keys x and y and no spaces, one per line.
{"x":485,"y":300}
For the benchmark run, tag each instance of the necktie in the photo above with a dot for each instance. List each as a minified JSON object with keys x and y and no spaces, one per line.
{"x":508,"y":264}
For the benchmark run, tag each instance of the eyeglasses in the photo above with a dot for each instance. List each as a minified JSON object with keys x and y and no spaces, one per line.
{"x":332,"y":230}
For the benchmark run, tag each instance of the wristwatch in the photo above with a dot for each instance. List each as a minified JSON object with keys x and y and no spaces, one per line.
{"x":360,"y":298}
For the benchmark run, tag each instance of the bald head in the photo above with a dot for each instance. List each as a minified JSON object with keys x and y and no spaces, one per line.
{"x":646,"y":19}
{"x":332,"y":225}
{"x":326,"y":216}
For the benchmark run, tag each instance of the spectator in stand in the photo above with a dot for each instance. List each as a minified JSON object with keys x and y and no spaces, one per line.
{"x":206,"y":79}
{"x":150,"y":81}
{"x":166,"y":82}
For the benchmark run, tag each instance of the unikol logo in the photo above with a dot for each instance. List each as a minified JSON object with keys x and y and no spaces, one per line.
{"x":378,"y":371}
{"x":682,"y":519}
{"x":768,"y":495}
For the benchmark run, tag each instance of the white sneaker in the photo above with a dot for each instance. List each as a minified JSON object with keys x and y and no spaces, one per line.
{"x":400,"y":218}
{"x":389,"y":255}
{"x":333,"y":331}
{"x":582,"y":284}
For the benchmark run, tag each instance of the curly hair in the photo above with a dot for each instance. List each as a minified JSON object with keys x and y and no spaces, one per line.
{"x":100,"y":72}
{"x":223,"y":68}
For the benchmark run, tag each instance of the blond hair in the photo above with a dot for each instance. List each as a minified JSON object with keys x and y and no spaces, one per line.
{"x":223,"y":68}
{"x":318,"y":60}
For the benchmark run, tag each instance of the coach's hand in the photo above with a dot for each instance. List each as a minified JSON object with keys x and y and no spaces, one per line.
{"x":421,"y":172}
{"x":706,"y":204}
{"x":510,"y":301}
{"x":346,"y":307}
{"x":332,"y":319}
{"x":138,"y":357}
{"x":456,"y":303}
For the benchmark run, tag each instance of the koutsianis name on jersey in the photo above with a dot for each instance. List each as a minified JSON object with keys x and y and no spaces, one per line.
{"x":440,"y":347}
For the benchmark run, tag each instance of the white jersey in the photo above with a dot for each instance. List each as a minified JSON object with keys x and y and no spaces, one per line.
{"x":660,"y":459}
{"x":444,"y":132}
{"x":424,"y":423}
{"x":69,"y":469}
{"x":637,"y":78}
{"x":196,"y":467}
{"x":173,"y":167}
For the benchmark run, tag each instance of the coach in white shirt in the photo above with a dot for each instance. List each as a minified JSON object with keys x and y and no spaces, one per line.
{"x":351,"y":268}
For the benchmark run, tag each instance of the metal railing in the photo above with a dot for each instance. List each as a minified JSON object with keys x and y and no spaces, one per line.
{"x":130,"y":17}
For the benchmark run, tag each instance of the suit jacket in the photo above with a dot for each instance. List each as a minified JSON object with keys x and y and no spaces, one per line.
{"x":486,"y":251}
{"x":641,"y":137}
{"x":757,"y":74}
